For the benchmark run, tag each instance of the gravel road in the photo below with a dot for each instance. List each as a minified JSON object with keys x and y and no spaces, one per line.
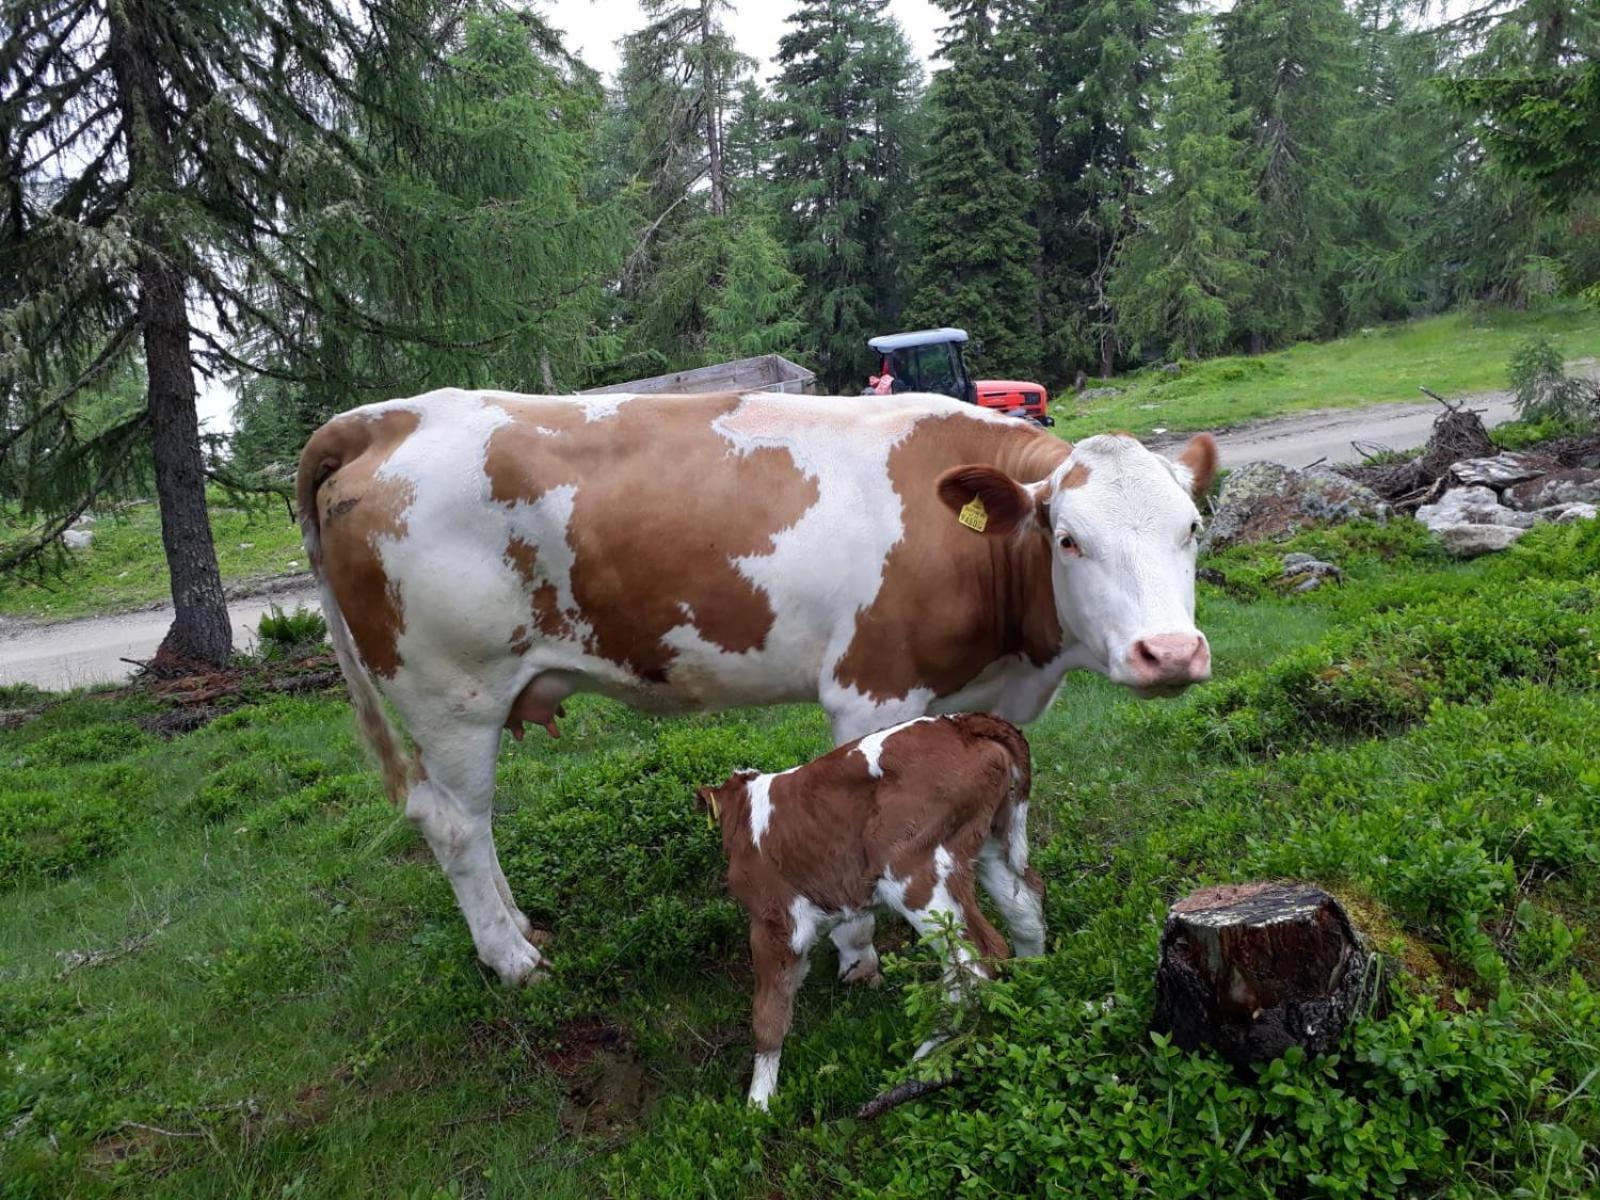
{"x":79,"y":653}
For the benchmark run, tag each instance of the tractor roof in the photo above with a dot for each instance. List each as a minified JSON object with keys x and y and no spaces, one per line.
{"x":918,"y":337}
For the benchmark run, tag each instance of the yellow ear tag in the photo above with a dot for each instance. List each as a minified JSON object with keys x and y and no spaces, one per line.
{"x":974,"y":516}
{"x":714,"y":813}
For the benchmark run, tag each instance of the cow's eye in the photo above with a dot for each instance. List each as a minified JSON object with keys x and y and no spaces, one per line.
{"x":1195,"y":526}
{"x":1069,"y":544}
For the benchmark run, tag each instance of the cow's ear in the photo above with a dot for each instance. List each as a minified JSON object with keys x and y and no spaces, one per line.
{"x":986,"y":500}
{"x":1199,"y":458}
{"x":704,"y":798}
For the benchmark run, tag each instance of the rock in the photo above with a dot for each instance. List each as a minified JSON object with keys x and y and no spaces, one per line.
{"x":1104,"y":393}
{"x":1469,"y":541}
{"x":77,"y":539}
{"x":1502,"y":470}
{"x":1171,"y":368}
{"x":1471,"y":506}
{"x":1563,"y":514}
{"x":1306,"y":573}
{"x":1572,"y":485}
{"x":1268,"y":500}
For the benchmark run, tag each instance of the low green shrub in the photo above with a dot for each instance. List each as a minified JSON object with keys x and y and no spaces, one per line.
{"x":1361,"y":549}
{"x":242,"y":785}
{"x":55,"y":820}
{"x":102,"y":743}
{"x":286,"y":634}
{"x":1383,"y":673}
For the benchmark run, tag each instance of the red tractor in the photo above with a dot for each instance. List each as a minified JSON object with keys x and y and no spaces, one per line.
{"x":931,"y":360}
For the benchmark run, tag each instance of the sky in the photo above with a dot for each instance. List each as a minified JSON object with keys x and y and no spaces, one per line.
{"x":593,"y":27}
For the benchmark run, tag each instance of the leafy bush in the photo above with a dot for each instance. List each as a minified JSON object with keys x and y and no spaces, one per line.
{"x":1384,"y":672}
{"x":283,"y":635}
{"x":102,"y":743}
{"x":1541,"y":389}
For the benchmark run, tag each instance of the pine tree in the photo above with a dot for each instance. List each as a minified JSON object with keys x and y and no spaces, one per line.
{"x":839,"y":141}
{"x":1293,"y":70}
{"x":1100,"y":68}
{"x":1189,"y":267}
{"x":976,"y":247}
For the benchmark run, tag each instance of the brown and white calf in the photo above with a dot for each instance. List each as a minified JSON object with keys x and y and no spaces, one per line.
{"x":484,"y":555}
{"x":907,"y":820}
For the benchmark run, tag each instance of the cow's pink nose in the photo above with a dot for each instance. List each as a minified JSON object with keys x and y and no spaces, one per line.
{"x":1171,"y":658}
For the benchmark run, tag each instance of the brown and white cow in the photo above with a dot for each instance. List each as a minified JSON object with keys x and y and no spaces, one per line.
{"x":908,"y":819}
{"x":483,"y":555}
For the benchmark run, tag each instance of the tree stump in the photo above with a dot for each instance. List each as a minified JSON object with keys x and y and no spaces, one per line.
{"x":1252,"y":969}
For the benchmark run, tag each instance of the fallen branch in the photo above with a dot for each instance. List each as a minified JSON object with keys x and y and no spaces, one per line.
{"x":904,"y":1093}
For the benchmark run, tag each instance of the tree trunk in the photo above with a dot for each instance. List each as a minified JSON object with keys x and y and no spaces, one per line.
{"x":1258,"y":344}
{"x":1255,"y":968}
{"x":713,"y":92}
{"x":200,"y":627}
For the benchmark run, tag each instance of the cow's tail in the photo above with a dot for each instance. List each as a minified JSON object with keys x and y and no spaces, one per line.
{"x":1010,"y":739}
{"x":398,"y":764}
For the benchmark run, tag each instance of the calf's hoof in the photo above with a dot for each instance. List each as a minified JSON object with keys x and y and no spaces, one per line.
{"x":861,"y":972}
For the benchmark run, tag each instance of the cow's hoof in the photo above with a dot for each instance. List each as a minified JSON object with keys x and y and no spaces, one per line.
{"x":863,"y":972}
{"x":521,"y":967}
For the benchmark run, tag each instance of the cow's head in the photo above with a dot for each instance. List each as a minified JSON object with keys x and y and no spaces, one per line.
{"x":1120,"y":527}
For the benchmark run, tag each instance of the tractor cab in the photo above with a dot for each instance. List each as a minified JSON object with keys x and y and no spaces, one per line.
{"x":932,"y":360}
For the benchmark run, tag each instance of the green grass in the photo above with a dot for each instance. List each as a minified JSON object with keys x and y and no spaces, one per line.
{"x":1456,"y":354}
{"x":228,"y":968}
{"x":123,"y":567}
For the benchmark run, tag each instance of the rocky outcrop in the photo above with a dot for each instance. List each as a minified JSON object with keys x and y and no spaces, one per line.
{"x":1469,"y":541}
{"x":1267,"y":500}
{"x":1498,"y":499}
{"x":1573,"y":485}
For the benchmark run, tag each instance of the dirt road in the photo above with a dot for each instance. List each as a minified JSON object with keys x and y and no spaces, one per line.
{"x":72,"y":654}
{"x":78,"y":653}
{"x":1325,"y":435}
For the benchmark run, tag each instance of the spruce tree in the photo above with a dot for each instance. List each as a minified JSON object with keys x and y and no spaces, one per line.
{"x":839,"y":137}
{"x":1190,"y":265}
{"x":976,"y":246}
{"x":1292,"y":67}
{"x":1099,"y":72}
{"x":706,"y":277}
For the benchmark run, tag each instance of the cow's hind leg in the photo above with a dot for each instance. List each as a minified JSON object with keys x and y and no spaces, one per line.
{"x":452,"y":806}
{"x":1018,"y":894}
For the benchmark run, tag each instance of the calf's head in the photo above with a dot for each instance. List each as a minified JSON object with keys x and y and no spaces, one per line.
{"x":1120,"y":528}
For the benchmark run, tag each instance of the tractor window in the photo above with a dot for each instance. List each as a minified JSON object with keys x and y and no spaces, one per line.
{"x":929,"y":369}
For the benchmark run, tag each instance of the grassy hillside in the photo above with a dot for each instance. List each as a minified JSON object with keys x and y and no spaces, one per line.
{"x":1454,"y":354}
{"x":123,"y":567}
{"x":229,"y":969}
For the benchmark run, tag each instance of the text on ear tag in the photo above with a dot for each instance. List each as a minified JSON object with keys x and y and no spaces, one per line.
{"x":974,"y":516}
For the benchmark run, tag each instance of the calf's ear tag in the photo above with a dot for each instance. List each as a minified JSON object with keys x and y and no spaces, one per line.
{"x":974,"y":515}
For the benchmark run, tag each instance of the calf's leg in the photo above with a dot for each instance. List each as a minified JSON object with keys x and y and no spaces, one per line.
{"x":858,"y":957}
{"x":1019,"y":895}
{"x":779,"y":953}
{"x":451,"y":806}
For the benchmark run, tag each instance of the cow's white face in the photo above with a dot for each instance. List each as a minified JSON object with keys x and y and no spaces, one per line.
{"x":1124,"y":531}
{"x":1122,"y":528}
